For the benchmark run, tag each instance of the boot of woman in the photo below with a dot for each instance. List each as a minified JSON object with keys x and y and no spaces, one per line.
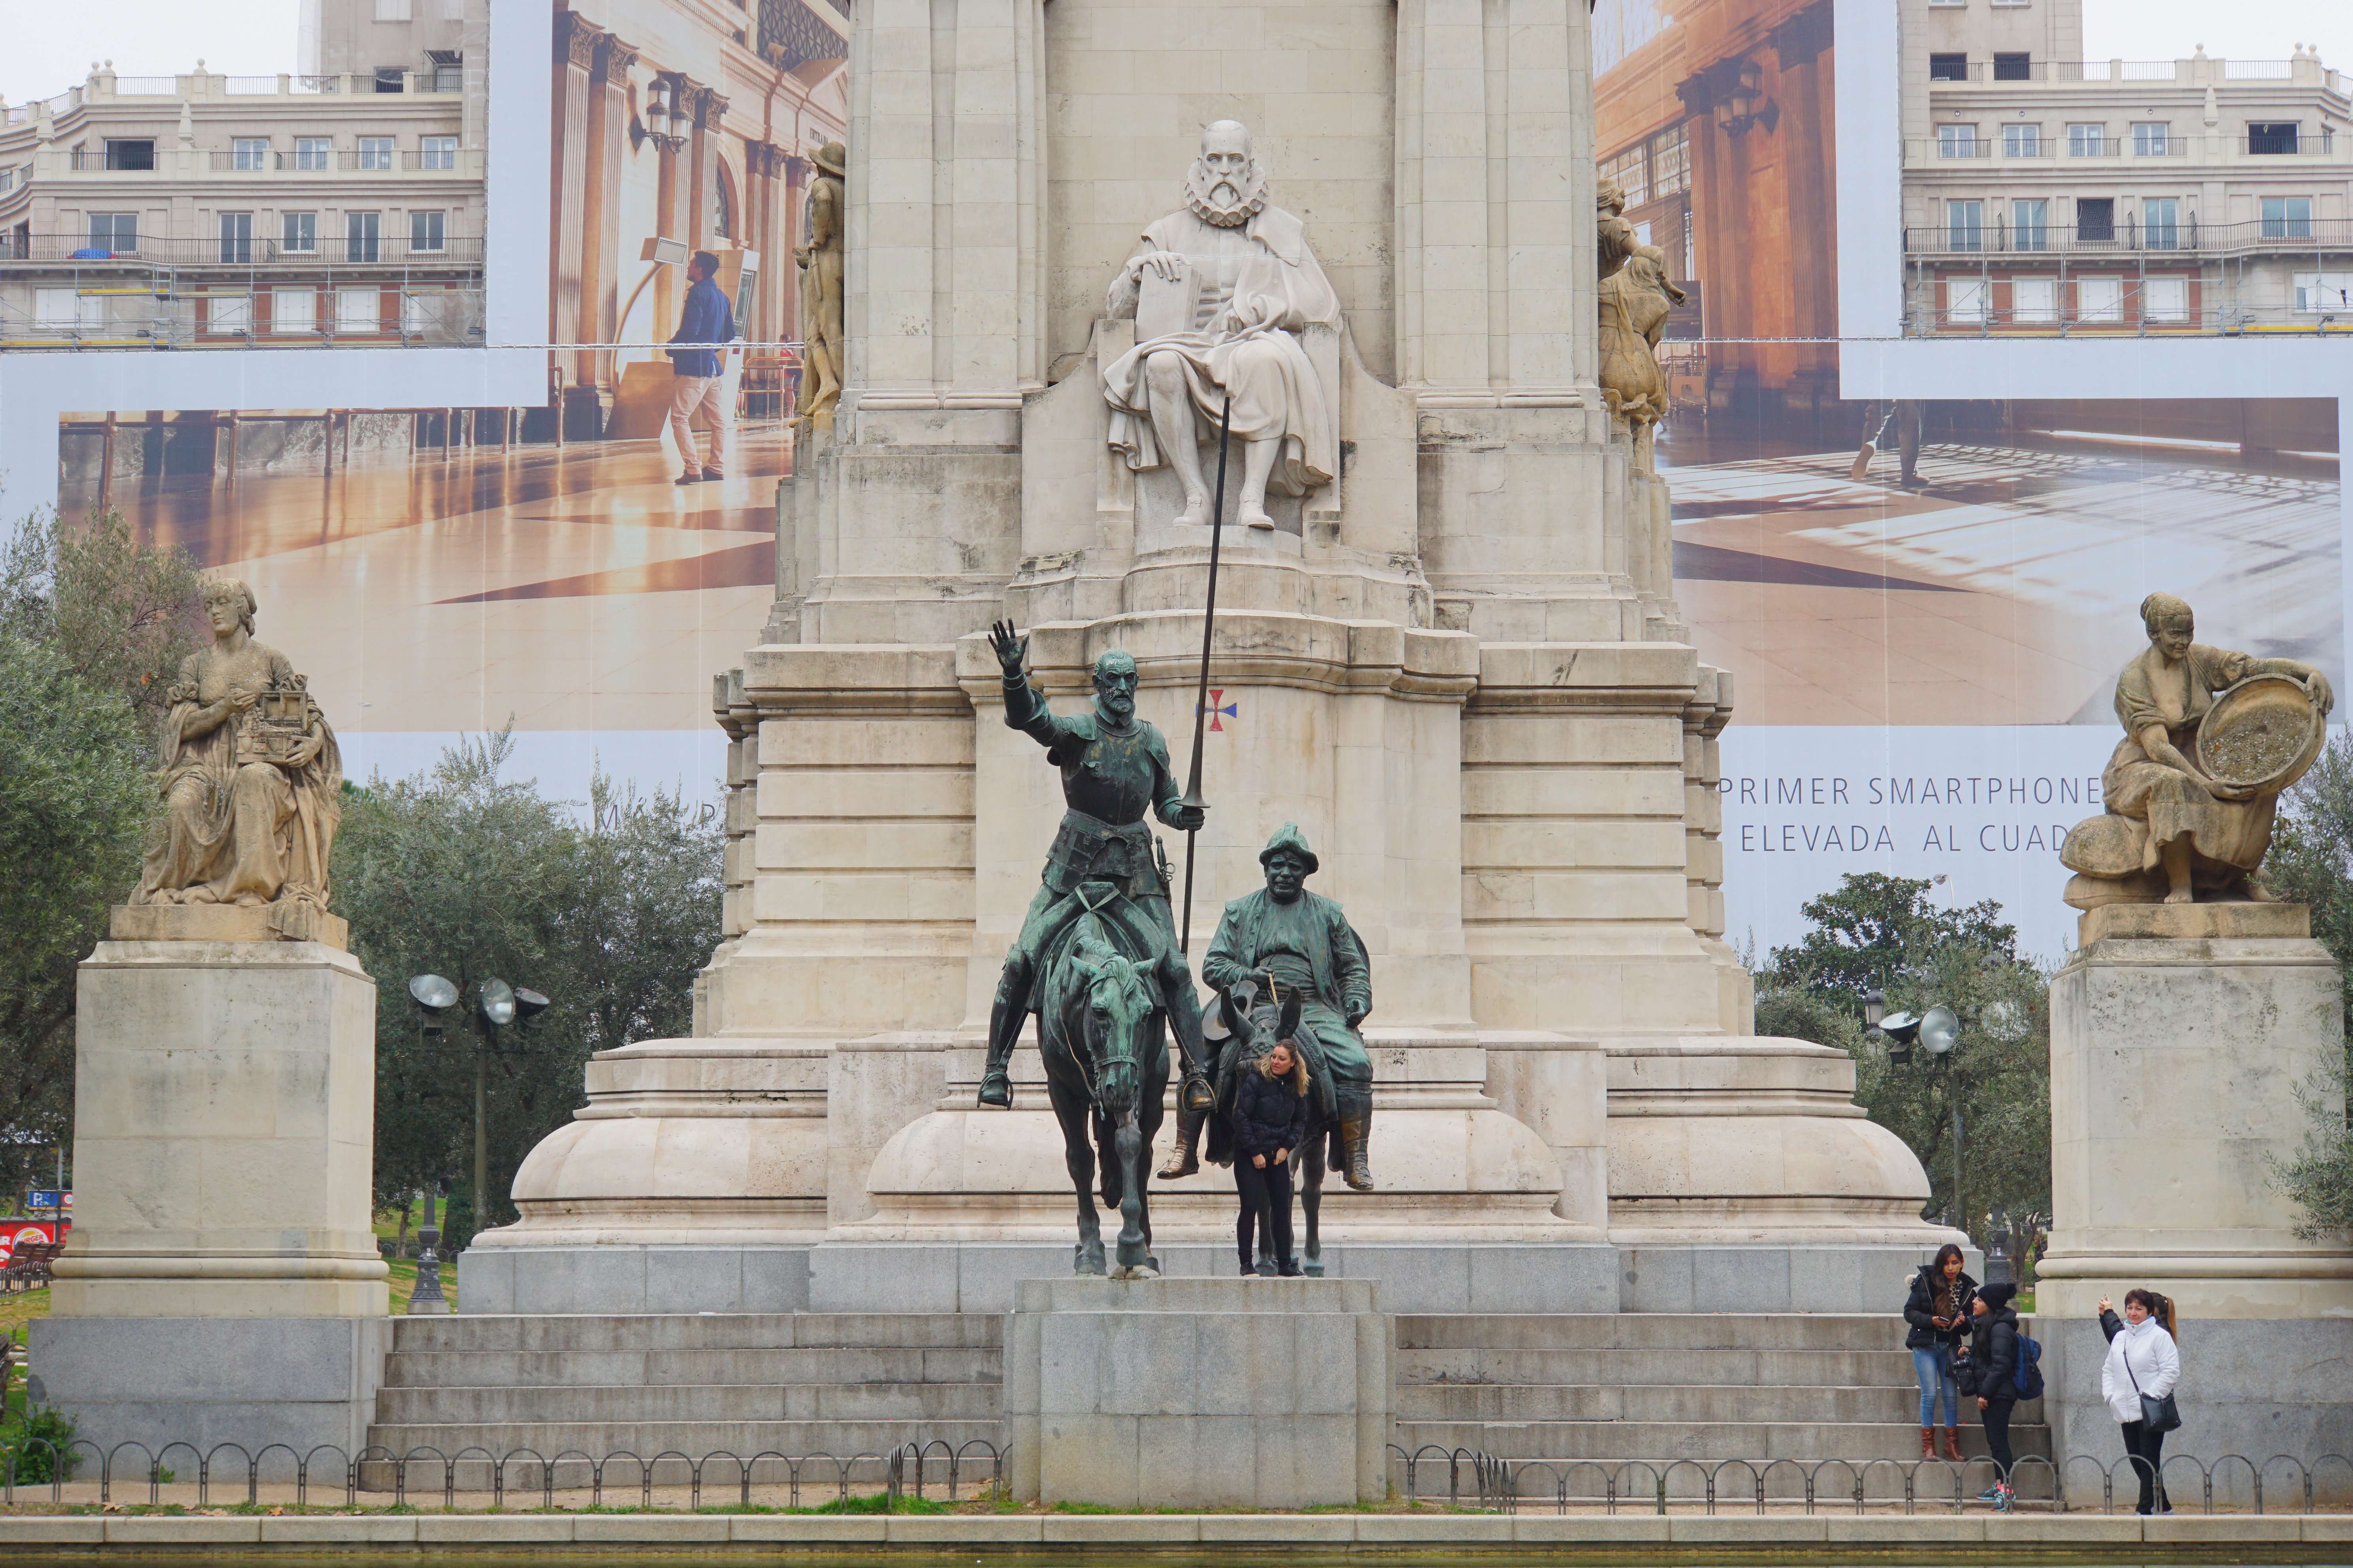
{"x":1928,"y":1442}
{"x":1952,"y":1444}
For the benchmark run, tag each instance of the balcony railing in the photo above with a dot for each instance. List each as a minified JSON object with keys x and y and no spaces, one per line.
{"x":1922,"y":152}
{"x":2194,"y":71}
{"x":456,"y":251}
{"x":2286,"y":236}
{"x":175,"y":164}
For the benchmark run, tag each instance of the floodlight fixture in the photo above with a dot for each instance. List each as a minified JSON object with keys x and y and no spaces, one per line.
{"x":433,"y":997}
{"x":1940,"y":1031}
{"x":528,"y":1003}
{"x":498,"y":1001}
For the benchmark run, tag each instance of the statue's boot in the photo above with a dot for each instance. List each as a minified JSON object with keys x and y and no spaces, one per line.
{"x":1005,"y":1020}
{"x":1186,"y":1158}
{"x":1356,"y":1135}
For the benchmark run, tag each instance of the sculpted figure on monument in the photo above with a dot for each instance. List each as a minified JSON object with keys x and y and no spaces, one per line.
{"x":252,"y":778}
{"x":1637,"y":297}
{"x":2193,"y":787}
{"x":1284,"y":940}
{"x":1220,"y":293}
{"x":1114,"y":768}
{"x":821,"y":299}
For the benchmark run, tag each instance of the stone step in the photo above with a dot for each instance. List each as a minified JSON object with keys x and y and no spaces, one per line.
{"x":702,"y":1330}
{"x":1642,"y":1366}
{"x":1653,"y":1330}
{"x":1699,"y":1404}
{"x":851,"y":1402}
{"x":1755,"y":1442}
{"x":693,"y":1439}
{"x":589,"y":1368}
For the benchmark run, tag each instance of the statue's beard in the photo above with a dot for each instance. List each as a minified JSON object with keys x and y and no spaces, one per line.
{"x":1218,"y":199}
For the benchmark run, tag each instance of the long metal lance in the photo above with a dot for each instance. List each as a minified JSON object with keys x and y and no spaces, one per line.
{"x":1201,"y":696}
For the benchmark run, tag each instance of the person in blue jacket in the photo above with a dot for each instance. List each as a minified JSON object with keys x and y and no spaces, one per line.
{"x":705,"y":321}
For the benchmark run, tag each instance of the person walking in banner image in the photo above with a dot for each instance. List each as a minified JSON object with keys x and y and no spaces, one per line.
{"x":707,"y":324}
{"x":2137,"y":1381}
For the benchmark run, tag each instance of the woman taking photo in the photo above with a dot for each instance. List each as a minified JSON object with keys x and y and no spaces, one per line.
{"x":1938,"y":1312}
{"x":2143,"y":1366}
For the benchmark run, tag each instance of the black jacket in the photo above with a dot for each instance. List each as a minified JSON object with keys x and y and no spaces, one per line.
{"x":1269,"y":1114}
{"x":1993,"y":1357}
{"x":1920,"y":1311}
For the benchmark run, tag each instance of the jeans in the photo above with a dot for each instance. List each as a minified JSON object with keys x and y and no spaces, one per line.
{"x":1934,"y":1369}
{"x":2146,"y":1450}
{"x":1272,"y":1186}
{"x":1996,"y":1419}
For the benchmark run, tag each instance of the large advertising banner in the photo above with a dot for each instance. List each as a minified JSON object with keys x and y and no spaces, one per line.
{"x":1925,"y":605}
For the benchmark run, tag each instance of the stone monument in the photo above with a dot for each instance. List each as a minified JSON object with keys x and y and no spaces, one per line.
{"x":2182,"y":1029}
{"x":224,"y":1282}
{"x":1368,"y":243}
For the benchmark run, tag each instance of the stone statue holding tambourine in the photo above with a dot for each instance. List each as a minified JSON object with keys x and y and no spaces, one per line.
{"x":2211,"y":737}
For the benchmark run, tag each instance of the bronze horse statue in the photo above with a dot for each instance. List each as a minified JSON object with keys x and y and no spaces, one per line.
{"x":1102,"y":1032}
{"x":1258,"y":1025}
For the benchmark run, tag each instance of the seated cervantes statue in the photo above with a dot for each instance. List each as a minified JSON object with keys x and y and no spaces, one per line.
{"x":1220,"y":293}
{"x":252,"y":777}
{"x":2193,"y":787}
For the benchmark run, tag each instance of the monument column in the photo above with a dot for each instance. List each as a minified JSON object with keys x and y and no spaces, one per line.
{"x":577,"y":45}
{"x":601,"y":243}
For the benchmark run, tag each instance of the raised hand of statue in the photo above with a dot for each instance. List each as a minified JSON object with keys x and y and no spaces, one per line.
{"x":1012,"y":647}
{"x":1189,"y":818}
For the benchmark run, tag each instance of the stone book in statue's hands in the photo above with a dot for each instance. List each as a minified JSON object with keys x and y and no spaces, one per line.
{"x":1166,"y":306}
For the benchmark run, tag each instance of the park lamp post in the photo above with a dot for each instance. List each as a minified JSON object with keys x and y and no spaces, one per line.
{"x":433,"y":997}
{"x":1938,"y":1032}
{"x":496,"y":1006}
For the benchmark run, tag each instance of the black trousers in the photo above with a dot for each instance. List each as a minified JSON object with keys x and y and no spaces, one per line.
{"x":1996,"y":1419}
{"x":2146,"y":1450}
{"x":1271,"y":1185}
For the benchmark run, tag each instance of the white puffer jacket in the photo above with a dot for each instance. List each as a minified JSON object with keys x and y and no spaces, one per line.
{"x":2155,"y":1362}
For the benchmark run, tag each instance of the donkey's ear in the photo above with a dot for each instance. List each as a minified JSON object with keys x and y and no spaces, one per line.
{"x":1289,"y":1027}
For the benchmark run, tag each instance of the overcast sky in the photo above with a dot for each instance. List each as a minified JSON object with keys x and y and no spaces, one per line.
{"x":50,"y":43}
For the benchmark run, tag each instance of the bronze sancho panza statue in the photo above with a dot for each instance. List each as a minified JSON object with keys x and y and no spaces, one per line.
{"x":1114,"y":768}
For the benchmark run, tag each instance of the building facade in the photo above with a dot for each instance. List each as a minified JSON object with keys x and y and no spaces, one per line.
{"x":204,"y":210}
{"x":2044,"y":193}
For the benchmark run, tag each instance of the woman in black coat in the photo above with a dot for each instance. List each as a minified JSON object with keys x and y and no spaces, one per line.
{"x":1269,"y":1120}
{"x":1991,"y":1363}
{"x":1938,"y":1311}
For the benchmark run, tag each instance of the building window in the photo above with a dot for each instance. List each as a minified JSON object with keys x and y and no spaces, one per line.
{"x":66,"y":310}
{"x":2034,"y":300}
{"x":2013,"y":67}
{"x":359,"y":311}
{"x":130,"y":152}
{"x":310,"y":151}
{"x":2095,"y":220}
{"x":231,"y":315}
{"x":449,"y":69}
{"x":1965,"y":225}
{"x":117,"y":234}
{"x":375,"y":153}
{"x":249,"y":152}
{"x":392,"y":10}
{"x":2159,"y":225}
{"x":419,"y":314}
{"x":1965,"y":300}
{"x":294,"y":310}
{"x":2318,"y":291}
{"x":2099,"y":298}
{"x":428,"y":231}
{"x":237,"y":238}
{"x":362,"y":237}
{"x":2152,"y":141}
{"x":298,"y":233}
{"x":2263,"y":137}
{"x":1948,"y":67}
{"x":1670,"y":163}
{"x":2087,"y":140}
{"x":1630,"y":170}
{"x":391,"y":78}
{"x":2166,"y":300}
{"x":2022,"y":140}
{"x":1956,"y":141}
{"x":2030,"y":225}
{"x":2287,"y":218}
{"x":436,"y":153}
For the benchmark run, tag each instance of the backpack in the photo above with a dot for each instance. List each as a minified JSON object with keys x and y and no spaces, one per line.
{"x":2026,"y":1370}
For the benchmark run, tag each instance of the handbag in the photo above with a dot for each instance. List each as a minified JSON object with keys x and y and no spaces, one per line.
{"x":2158,"y":1411}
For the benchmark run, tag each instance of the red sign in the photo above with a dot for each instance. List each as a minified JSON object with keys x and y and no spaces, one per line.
{"x":16,"y":1233}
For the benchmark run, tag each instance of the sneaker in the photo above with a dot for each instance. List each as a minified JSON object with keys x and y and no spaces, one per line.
{"x":1990,"y":1493}
{"x":2003,"y":1498}
{"x":712,"y":474}
{"x":694,"y":478}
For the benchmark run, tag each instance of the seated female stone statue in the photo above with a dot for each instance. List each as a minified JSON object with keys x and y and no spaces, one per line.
{"x":2171,"y":831}
{"x":251,"y":775}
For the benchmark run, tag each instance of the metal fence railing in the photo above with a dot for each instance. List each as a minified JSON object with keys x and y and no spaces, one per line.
{"x":522,"y":1475}
{"x":2280,"y":1484}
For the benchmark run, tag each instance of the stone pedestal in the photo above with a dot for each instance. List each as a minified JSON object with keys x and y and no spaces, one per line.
{"x":224,"y":1281}
{"x":1200,"y":1393}
{"x":2181,"y":1037}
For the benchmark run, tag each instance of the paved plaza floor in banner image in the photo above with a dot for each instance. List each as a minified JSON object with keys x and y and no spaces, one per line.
{"x":2002,"y":589}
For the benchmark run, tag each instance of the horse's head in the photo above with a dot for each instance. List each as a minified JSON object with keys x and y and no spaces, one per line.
{"x":1259,"y":1021}
{"x":1118,"y":1013}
